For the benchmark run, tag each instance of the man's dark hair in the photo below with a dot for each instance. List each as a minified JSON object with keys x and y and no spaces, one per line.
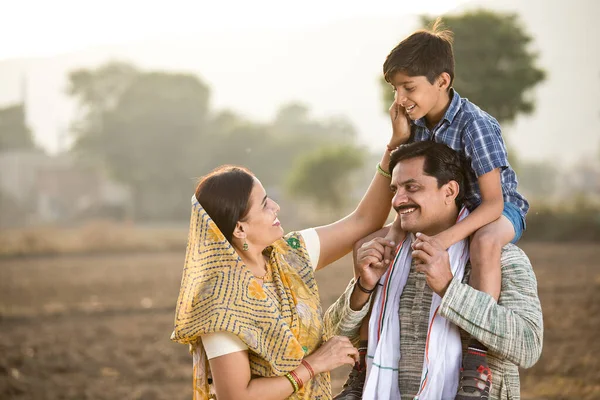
{"x":441,"y":162}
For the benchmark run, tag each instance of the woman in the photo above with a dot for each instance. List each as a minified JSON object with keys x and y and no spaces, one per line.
{"x":249,"y":304}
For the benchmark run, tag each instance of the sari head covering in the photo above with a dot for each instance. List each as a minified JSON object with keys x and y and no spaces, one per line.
{"x":280,"y":322}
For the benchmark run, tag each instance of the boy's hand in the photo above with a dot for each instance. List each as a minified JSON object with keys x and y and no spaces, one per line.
{"x":443,"y":240}
{"x":395,"y":235}
{"x":400,"y":125}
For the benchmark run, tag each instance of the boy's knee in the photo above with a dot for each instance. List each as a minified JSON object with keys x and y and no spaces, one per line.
{"x":485,"y":241}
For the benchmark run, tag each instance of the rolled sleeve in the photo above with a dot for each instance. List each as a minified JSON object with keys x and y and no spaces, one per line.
{"x":511,"y":328}
{"x":342,"y":320}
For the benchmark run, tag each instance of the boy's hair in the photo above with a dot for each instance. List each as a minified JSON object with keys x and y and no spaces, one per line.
{"x":441,"y":162}
{"x":424,"y":53}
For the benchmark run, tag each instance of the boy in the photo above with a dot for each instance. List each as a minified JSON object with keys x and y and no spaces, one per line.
{"x":421,"y":71}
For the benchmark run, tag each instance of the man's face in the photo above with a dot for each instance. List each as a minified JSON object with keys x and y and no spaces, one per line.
{"x":420,"y":204}
{"x":416,"y":95}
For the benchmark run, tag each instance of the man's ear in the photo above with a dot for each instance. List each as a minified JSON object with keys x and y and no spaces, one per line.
{"x":443,"y":81}
{"x":238,"y":231}
{"x":451,"y":191}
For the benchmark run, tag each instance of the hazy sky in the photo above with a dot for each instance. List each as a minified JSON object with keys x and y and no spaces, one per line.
{"x":326,"y":54}
{"x":44,"y":28}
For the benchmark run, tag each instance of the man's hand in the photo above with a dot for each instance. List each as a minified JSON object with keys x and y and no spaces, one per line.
{"x":400,"y":124}
{"x":434,"y":261}
{"x":371,"y":262}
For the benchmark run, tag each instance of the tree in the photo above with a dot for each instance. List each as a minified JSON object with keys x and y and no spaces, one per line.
{"x":97,"y":92}
{"x":153,"y":140}
{"x":146,"y":130}
{"x":494,"y":67}
{"x":14,"y":133}
{"x":323,"y":176}
{"x":155,"y":133}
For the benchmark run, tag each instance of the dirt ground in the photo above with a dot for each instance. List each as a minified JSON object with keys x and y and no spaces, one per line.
{"x":98,"y":326}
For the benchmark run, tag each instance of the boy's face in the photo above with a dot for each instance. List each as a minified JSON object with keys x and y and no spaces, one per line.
{"x":419,"y":97}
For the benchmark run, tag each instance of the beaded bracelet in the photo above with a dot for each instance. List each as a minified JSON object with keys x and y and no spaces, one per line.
{"x":292,"y":381}
{"x":382,"y":172}
{"x":311,"y":371}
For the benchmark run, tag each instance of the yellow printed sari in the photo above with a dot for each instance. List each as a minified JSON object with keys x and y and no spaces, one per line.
{"x":280,"y":321}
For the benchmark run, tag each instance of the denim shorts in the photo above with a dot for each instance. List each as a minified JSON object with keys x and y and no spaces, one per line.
{"x":513,"y":213}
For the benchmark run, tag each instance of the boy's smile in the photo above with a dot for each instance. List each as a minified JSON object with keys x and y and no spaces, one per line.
{"x":420,"y":98}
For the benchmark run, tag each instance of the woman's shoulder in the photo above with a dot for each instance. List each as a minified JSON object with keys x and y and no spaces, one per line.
{"x":301,"y":245}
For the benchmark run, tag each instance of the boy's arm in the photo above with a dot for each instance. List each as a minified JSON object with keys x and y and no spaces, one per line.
{"x":490,"y":209}
{"x":484,"y":147}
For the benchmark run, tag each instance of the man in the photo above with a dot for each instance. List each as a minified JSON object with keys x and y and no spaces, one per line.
{"x":412,"y":348}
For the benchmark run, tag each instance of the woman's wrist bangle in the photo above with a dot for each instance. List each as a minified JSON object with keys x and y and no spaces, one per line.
{"x":362,"y":288}
{"x":311,"y":371}
{"x":292,"y":382}
{"x":297,"y":379}
{"x":382,"y":172}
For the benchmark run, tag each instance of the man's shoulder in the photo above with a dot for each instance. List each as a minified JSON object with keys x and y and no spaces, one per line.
{"x":513,"y":255}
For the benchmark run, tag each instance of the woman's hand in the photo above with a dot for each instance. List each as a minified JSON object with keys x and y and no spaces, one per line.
{"x":332,"y":354}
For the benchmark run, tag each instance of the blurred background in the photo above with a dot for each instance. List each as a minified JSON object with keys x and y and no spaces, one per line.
{"x":111,"y":111}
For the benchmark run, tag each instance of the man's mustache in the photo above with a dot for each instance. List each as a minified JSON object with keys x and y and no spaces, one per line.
{"x":405,"y":207}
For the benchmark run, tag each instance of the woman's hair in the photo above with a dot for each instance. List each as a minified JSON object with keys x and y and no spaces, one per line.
{"x":224,"y":194}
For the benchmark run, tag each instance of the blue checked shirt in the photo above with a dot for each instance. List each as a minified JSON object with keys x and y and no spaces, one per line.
{"x":477,"y":137}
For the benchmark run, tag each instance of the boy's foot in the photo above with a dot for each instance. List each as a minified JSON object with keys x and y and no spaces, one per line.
{"x":475,"y":376}
{"x":353,"y":388}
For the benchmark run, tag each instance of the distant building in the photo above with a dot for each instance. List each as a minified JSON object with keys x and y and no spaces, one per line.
{"x":55,"y":189}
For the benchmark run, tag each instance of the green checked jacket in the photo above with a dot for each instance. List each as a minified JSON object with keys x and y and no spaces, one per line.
{"x":512,"y":328}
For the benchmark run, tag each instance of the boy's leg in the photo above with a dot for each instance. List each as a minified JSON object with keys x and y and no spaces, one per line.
{"x":353,"y":388}
{"x":485,"y":249}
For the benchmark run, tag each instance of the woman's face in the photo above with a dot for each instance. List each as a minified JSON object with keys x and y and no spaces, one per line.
{"x":261,"y":225}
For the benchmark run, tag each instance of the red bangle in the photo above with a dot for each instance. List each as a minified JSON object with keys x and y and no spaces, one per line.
{"x":297,"y":379}
{"x":311,"y":371}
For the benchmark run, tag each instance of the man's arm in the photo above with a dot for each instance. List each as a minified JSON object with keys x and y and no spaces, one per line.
{"x":511,"y":328}
{"x":345,"y":316}
{"x":341,"y":320}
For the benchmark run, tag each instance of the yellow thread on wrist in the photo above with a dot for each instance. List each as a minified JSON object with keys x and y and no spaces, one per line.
{"x":292,"y":382}
{"x":382,"y":172}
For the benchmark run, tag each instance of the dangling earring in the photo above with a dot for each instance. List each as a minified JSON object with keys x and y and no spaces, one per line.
{"x":245,"y":246}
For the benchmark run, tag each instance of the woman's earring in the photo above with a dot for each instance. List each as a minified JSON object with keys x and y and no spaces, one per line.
{"x":245,"y":246}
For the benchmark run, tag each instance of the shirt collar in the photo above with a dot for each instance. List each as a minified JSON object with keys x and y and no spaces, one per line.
{"x":451,"y":112}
